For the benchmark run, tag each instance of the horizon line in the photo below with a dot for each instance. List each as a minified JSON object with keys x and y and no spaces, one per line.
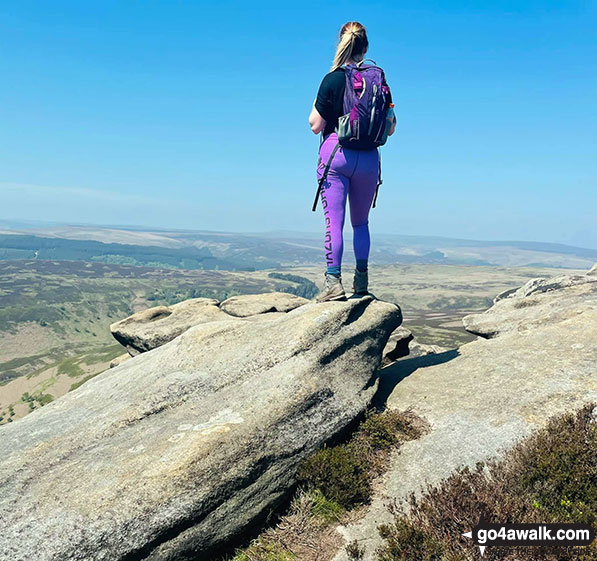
{"x":145,"y":228}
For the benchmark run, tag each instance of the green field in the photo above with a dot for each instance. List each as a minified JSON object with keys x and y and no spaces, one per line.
{"x":55,"y":315}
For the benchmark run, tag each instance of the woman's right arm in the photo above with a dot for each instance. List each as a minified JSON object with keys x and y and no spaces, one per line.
{"x":322,"y":105}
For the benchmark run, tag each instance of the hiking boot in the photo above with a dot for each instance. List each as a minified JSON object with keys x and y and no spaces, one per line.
{"x":360,"y":281}
{"x":332,"y":289}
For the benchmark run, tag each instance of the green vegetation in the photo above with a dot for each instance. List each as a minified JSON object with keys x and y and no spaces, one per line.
{"x":304,"y":287}
{"x":62,"y":311}
{"x":324,"y":509}
{"x":37,"y":313}
{"x":37,"y":400}
{"x":300,"y":286}
{"x":11,"y":414}
{"x":127,"y":260}
{"x":265,"y":551}
{"x":70,"y":367}
{"x":60,"y":308}
{"x":68,"y":306}
{"x":427,"y":331}
{"x":550,"y":477}
{"x":173,"y":295}
{"x":72,"y":304}
{"x":12,"y":369}
{"x":188,"y":257}
{"x":82,"y":381}
{"x":344,"y":473}
{"x":102,"y":355}
{"x":301,"y":534}
{"x":460,"y":303}
{"x":326,"y":491}
{"x":340,"y":474}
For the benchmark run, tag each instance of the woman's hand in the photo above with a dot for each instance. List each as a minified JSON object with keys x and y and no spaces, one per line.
{"x":391,"y":117}
{"x":316,"y":121}
{"x":393,"y":127}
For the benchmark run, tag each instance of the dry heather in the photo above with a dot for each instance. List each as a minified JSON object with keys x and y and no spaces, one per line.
{"x":550,"y":477}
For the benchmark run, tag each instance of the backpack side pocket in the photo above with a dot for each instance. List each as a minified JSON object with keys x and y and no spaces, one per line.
{"x":344,"y":130}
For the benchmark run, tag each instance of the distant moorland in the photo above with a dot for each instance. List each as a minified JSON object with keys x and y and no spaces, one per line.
{"x":55,"y":317}
{"x":55,"y":314}
{"x":182,"y":249}
{"x":62,"y":286}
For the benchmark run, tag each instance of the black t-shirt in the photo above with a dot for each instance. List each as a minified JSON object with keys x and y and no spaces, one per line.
{"x":330,"y":99}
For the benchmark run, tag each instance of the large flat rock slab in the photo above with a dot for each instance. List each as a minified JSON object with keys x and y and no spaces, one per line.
{"x":479,"y":401}
{"x":152,"y":328}
{"x":180,"y":448}
{"x":253,"y":304}
{"x":539,"y":302}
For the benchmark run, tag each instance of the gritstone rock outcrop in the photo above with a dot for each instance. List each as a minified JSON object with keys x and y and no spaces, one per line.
{"x":540,"y":361}
{"x":156,"y":326}
{"x":180,"y":448}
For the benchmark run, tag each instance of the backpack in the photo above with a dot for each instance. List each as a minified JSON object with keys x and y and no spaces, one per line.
{"x":364,"y":125}
{"x":367,"y":99}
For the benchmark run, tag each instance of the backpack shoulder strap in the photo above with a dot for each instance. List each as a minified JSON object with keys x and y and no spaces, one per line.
{"x":324,"y":175}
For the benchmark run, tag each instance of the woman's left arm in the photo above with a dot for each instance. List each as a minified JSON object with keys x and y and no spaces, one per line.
{"x":316,"y":121}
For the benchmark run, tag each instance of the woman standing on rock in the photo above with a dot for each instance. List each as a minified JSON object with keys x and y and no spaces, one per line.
{"x":353,"y":111}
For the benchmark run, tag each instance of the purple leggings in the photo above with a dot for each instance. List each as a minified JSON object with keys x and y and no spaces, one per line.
{"x":353,"y":173}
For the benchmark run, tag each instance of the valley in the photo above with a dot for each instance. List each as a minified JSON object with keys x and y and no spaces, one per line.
{"x":55,"y":315}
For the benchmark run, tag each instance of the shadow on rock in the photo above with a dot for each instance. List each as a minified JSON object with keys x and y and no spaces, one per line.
{"x":392,"y":375}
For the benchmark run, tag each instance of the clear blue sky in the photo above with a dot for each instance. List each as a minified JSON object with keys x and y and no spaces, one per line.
{"x":129,"y":112}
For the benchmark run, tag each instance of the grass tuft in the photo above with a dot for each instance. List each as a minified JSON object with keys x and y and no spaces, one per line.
{"x":264,"y":551}
{"x":323,"y":509}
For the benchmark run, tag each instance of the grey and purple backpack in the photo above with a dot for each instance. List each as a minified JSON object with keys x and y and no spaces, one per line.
{"x":367,"y":99}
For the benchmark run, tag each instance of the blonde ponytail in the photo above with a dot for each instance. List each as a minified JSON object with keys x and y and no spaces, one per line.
{"x":352,"y":44}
